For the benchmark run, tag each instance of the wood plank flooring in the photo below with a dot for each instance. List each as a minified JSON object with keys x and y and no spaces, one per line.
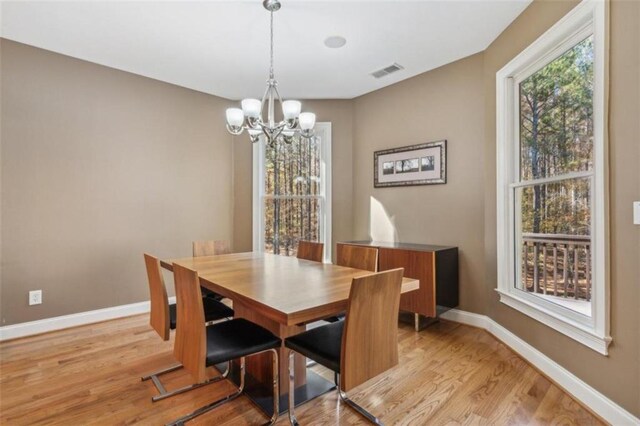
{"x":449,"y":374}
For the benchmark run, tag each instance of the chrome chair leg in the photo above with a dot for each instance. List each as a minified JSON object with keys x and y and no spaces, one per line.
{"x":161,"y":372}
{"x":276,"y":393}
{"x":156,"y":381}
{"x":292,"y":387}
{"x":167,"y":394}
{"x":373,"y":419}
{"x":182,"y":420}
{"x":218,"y":320}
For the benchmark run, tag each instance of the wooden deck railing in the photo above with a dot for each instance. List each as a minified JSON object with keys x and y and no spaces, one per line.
{"x":557,"y":264}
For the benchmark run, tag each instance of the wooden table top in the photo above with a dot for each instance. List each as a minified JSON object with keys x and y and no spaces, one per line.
{"x":286,"y":289}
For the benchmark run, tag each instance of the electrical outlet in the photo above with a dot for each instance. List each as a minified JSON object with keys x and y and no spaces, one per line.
{"x":35,"y":297}
{"x":636,"y":212}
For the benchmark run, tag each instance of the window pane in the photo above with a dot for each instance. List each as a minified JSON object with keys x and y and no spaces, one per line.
{"x":556,"y":116}
{"x":293,"y":169}
{"x":555,"y":252}
{"x":289,"y":220}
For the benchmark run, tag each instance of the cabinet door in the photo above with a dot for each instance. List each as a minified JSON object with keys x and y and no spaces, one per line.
{"x":418,"y":265}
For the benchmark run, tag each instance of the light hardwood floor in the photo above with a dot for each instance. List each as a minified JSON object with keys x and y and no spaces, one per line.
{"x":448,"y":374}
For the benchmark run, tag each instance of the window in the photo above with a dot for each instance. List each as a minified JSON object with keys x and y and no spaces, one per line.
{"x":292,"y":193}
{"x":551,"y":179}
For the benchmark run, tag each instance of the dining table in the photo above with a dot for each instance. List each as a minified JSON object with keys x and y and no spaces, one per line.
{"x":284,"y":295}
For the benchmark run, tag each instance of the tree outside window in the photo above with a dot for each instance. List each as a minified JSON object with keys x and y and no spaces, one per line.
{"x":553,"y":211}
{"x":293,"y":199}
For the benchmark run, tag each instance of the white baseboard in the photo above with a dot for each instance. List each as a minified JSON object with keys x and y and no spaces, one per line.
{"x":82,"y":318}
{"x":590,"y":397}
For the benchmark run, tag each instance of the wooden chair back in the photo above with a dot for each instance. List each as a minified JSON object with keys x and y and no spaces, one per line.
{"x":358,"y":257}
{"x":310,"y":251}
{"x":211,"y":248}
{"x":370,"y":337}
{"x":159,"y":315}
{"x":190,"y":347}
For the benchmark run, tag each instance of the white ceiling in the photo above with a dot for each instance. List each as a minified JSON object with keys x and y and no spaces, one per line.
{"x":222,"y":47}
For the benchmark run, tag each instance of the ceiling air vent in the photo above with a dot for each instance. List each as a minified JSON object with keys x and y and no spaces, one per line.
{"x":387,"y":70}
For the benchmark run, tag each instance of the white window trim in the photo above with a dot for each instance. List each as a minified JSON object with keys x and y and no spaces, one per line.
{"x":589,"y":17}
{"x":325,"y":191}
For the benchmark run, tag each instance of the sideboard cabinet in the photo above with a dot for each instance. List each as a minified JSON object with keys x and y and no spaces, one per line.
{"x":435,"y":266}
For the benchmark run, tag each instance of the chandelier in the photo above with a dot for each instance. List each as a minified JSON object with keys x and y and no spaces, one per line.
{"x":250,"y":117}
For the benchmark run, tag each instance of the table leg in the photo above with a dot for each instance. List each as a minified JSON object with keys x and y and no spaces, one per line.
{"x":259,"y":366}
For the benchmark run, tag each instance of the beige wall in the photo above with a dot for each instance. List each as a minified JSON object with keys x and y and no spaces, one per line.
{"x":618,"y":375}
{"x":446,"y":103}
{"x":457,"y":102}
{"x":243,"y":193}
{"x":340,"y":114}
{"x":98,"y":166}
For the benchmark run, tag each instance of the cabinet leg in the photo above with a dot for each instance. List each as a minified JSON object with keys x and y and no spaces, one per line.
{"x":419,"y":321}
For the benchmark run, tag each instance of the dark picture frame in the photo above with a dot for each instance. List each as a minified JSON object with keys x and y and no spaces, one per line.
{"x":397,"y":166}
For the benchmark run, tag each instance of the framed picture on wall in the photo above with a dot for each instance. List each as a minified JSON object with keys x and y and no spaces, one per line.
{"x":423,"y":164}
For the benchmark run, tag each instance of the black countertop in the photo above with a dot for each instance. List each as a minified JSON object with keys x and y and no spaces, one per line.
{"x":403,"y":246}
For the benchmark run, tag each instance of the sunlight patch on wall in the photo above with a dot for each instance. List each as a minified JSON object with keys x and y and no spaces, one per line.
{"x":381,"y":225}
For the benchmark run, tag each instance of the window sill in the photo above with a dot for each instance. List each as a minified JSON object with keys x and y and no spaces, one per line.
{"x":578,"y":332}
{"x":582,"y":307}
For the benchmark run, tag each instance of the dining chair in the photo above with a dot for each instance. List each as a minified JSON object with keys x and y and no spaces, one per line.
{"x":211,"y":248}
{"x":198,"y":346}
{"x":362,"y":346}
{"x":359,"y":257}
{"x":310,"y":250}
{"x":162,"y":318}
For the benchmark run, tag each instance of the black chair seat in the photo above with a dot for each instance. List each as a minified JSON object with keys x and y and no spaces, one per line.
{"x":213,"y":311}
{"x":321,"y":344}
{"x":210,"y":294}
{"x":237,"y":338}
{"x":337,"y":318}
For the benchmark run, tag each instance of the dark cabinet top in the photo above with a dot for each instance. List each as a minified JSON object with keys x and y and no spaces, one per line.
{"x":402,"y":246}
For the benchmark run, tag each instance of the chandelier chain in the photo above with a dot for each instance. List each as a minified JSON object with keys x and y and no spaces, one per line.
{"x":271,"y":58}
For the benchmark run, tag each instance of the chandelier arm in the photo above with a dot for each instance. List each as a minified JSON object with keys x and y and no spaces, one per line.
{"x":291,"y":124}
{"x":235,"y":130}
{"x":272,"y":108}
{"x":278,"y":127}
{"x":276,"y":131}
{"x":264,"y":98}
{"x":275,"y":89}
{"x":253,"y":123}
